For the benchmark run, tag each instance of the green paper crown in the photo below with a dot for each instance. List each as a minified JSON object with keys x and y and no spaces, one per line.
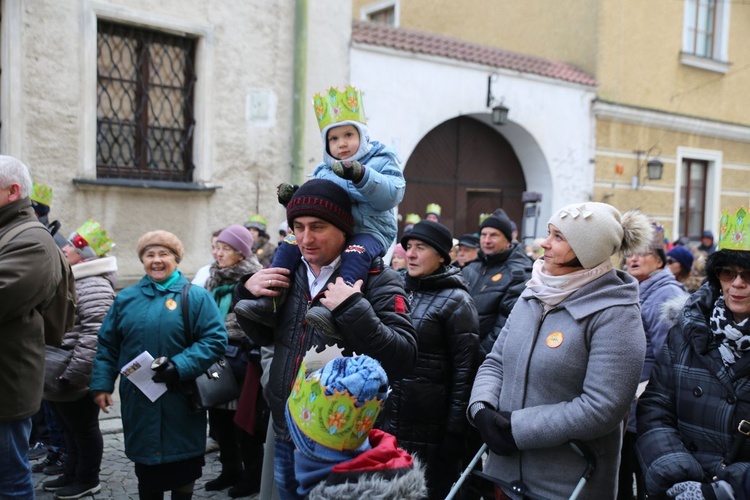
{"x":483,"y":216}
{"x":334,"y":106}
{"x":331,"y":421}
{"x":96,"y":237}
{"x":734,"y":233}
{"x":412,"y":218}
{"x":433,"y":208}
{"x":257,"y":221}
{"x":41,"y":194}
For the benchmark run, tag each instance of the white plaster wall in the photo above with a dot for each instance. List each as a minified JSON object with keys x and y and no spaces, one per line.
{"x":245,"y":46}
{"x":551,"y":129}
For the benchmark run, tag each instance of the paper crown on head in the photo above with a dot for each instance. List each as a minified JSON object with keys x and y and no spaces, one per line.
{"x":433,"y":208}
{"x":334,"y":106}
{"x":91,"y":234}
{"x":41,"y":194}
{"x":658,"y":239}
{"x":734,"y":232}
{"x":257,"y":221}
{"x":334,"y":421}
{"x":483,"y":216}
{"x":412,"y":218}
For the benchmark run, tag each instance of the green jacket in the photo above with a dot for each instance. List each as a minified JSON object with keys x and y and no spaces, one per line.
{"x":144,"y":318}
{"x":29,"y":274}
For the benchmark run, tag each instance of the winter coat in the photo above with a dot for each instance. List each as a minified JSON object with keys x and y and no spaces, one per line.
{"x":263,"y":250}
{"x":144,"y":318}
{"x":29,"y":275}
{"x":375,"y":322}
{"x":654,"y":292}
{"x":95,"y":287}
{"x":569,"y":374}
{"x":689,"y":414}
{"x":496,"y":281}
{"x":384,"y":471}
{"x":429,"y":406}
{"x":375,"y":196}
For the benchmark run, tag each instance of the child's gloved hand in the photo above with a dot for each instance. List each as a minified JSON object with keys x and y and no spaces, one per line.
{"x":349,"y":170}
{"x":285,"y":191}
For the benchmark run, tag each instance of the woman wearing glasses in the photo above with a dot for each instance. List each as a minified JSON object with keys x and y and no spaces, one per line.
{"x":694,"y":414}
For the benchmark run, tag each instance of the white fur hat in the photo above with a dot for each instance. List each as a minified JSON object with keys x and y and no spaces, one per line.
{"x":596,"y":231}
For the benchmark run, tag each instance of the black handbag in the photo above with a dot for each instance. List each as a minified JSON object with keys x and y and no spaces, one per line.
{"x":216,"y":385}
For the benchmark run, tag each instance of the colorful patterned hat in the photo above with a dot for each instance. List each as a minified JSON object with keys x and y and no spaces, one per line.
{"x":334,"y":106}
{"x":91,"y":240}
{"x":257,"y":221}
{"x":734,"y":232}
{"x":41,"y":194}
{"x":433,"y":208}
{"x":412,"y":218}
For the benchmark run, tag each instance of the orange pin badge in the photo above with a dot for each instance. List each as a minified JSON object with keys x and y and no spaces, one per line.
{"x":497,"y":277}
{"x":554,"y":339}
{"x":171,"y":304}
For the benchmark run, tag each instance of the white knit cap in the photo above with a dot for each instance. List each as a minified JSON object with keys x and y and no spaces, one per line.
{"x":596,"y":231}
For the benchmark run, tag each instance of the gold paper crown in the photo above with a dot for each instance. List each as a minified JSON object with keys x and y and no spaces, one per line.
{"x":433,"y":208}
{"x":331,"y":421}
{"x":334,"y":106}
{"x":412,"y":218}
{"x":41,"y":194}
{"x":95,"y":236}
{"x":734,"y":233}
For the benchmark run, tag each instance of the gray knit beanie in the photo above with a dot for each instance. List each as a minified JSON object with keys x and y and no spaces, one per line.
{"x":596,"y":231}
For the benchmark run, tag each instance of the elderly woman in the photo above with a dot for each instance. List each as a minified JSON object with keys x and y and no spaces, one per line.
{"x":165,"y":438}
{"x":692,"y":418}
{"x":426,"y":411}
{"x":95,"y":277}
{"x":567,"y":362}
{"x":234,"y":259}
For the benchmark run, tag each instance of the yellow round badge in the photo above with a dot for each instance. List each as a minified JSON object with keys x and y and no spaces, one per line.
{"x":171,"y":304}
{"x":497,"y":277}
{"x":554,"y":339}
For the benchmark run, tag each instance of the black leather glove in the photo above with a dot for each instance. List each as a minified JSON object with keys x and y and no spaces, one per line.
{"x":166,"y":374}
{"x":349,"y":170}
{"x":494,"y":427}
{"x":285,"y":191}
{"x":453,"y":446}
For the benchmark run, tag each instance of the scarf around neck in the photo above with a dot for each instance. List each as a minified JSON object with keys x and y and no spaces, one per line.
{"x":733,"y":338}
{"x":551,"y":290}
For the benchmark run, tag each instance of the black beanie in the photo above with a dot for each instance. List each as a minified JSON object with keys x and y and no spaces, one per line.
{"x":434,"y":234}
{"x":325,"y":200}
{"x":501,"y":222}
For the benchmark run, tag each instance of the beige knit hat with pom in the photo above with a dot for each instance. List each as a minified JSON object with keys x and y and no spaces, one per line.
{"x":162,"y":239}
{"x":596,"y":231}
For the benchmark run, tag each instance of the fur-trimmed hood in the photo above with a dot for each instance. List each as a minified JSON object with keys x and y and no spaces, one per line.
{"x":671,"y":310}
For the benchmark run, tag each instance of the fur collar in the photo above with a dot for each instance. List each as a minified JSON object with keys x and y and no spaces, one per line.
{"x":94,"y":267}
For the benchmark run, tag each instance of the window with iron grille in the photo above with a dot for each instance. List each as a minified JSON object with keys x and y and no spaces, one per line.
{"x":145,"y":114}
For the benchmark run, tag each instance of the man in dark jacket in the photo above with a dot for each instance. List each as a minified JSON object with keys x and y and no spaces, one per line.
{"x":30,"y":271}
{"x":371,"y":318}
{"x":497,"y":278}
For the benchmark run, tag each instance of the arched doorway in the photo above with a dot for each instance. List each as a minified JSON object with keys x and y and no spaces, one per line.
{"x":468,"y":168}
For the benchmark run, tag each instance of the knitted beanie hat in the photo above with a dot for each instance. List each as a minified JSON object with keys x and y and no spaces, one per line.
{"x":596,"y":231}
{"x":323,"y":199}
{"x":434,"y":234}
{"x":501,"y":222}
{"x":360,"y":378}
{"x":399,"y":250}
{"x":682,"y":255}
{"x":237,"y":237}
{"x":163,"y":239}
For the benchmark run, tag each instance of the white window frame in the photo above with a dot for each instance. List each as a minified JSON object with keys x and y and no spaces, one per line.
{"x":202,"y":142}
{"x":719,"y":62}
{"x":366,"y":11}
{"x":713,"y":186}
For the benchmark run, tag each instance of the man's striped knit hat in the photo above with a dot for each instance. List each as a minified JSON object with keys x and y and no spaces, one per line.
{"x":323,"y":199}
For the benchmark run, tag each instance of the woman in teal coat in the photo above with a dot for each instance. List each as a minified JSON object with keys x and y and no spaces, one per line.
{"x":164,"y":438}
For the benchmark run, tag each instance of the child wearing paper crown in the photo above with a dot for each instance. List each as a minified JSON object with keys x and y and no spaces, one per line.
{"x":330,"y":414}
{"x":370,"y":173}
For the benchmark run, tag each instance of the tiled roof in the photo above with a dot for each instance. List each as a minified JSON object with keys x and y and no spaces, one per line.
{"x":438,"y":45}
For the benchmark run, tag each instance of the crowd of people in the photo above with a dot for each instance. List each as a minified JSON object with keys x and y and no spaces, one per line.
{"x":601,"y":348}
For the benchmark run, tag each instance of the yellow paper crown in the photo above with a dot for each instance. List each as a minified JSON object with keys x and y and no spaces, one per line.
{"x":334,"y":106}
{"x":331,"y":421}
{"x":41,"y":194}
{"x":734,"y":233}
{"x":412,"y":218}
{"x":483,"y":216}
{"x":433,"y":208}
{"x":95,"y":236}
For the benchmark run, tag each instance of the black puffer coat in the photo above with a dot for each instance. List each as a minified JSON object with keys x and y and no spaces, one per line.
{"x":375,"y":322}
{"x":496,"y":281}
{"x":430,"y":404}
{"x":689,"y":414}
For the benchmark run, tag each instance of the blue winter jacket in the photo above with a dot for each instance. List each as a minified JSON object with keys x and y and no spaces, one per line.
{"x":374,"y":197}
{"x":144,"y":318}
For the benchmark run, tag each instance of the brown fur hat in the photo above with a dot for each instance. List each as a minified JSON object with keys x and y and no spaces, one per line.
{"x":163,"y":239}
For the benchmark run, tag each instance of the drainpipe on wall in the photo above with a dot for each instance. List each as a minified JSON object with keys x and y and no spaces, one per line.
{"x":300,"y":80}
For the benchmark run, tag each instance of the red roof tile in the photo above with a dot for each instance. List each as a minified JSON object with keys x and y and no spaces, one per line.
{"x":438,"y":45}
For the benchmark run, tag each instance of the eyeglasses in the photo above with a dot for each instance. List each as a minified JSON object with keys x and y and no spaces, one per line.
{"x":642,"y":255}
{"x":670,"y":260}
{"x":728,"y":275}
